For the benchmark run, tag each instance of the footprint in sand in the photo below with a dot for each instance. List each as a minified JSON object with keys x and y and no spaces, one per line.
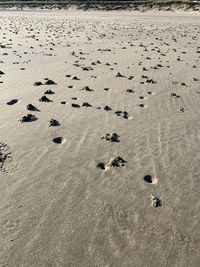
{"x":45,"y":99}
{"x":183,"y":84}
{"x":113,"y":162}
{"x":119,"y":75}
{"x":151,"y":93}
{"x":32,"y":108}
{"x":142,"y":97}
{"x":86,"y":104}
{"x":124,"y":114}
{"x":130,"y":91}
{"x":75,"y":78}
{"x":181,"y":109}
{"x":87,"y":89}
{"x":28,"y":118}
{"x":107,"y":108}
{"x":74,"y":105}
{"x":38,"y":83}
{"x":155,"y":202}
{"x":53,"y":122}
{"x":58,"y":140}
{"x":5,"y":155}
{"x":50,"y":82}
{"x":12,"y":102}
{"x":2,"y":73}
{"x":49,"y":92}
{"x":175,"y":95}
{"x":143,"y":106}
{"x":111,"y":137}
{"x":151,"y":180}
{"x":151,"y":81}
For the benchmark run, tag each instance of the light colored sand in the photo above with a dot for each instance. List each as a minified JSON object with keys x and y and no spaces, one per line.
{"x":57,"y":207}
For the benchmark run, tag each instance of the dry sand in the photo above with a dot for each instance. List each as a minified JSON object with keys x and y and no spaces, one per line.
{"x":120,"y":187}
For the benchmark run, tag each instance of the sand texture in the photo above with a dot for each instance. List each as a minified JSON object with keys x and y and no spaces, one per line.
{"x":99,"y":139}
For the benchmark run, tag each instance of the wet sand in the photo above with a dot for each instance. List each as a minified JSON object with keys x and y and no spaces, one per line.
{"x":99,"y":138}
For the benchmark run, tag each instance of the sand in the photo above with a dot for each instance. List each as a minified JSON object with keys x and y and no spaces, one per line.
{"x":100,"y":133}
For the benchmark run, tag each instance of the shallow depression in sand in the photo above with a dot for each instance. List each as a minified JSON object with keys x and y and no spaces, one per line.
{"x":58,"y":140}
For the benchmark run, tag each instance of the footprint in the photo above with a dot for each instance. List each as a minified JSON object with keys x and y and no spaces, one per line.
{"x":155,"y":202}
{"x":143,"y":106}
{"x":50,"y":82}
{"x":87,"y":89}
{"x":107,"y":108}
{"x":151,"y":93}
{"x":130,"y":91}
{"x":75,"y":78}
{"x":53,"y":122}
{"x":150,"y":81}
{"x":181,"y":109}
{"x":58,"y":140}
{"x":10,"y":225}
{"x":5,"y":155}
{"x":38,"y":83}
{"x":86,"y":104}
{"x":119,"y":75}
{"x":142,"y":97}
{"x":124,"y":114}
{"x":151,"y":180}
{"x":113,"y":162}
{"x":183,"y":84}
{"x":45,"y":99}
{"x":175,"y":95}
{"x":111,"y":137}
{"x":12,"y":102}
{"x":2,"y":73}
{"x":49,"y":92}
{"x":28,"y":118}
{"x":75,"y":105}
{"x":32,"y":108}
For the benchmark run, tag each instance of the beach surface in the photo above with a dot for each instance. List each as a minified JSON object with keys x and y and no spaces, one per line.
{"x":99,"y":139}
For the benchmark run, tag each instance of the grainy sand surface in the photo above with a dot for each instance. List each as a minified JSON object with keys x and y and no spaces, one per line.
{"x":107,"y":172}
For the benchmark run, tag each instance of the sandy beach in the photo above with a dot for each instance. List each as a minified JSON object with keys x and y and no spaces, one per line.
{"x":99,"y":139}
